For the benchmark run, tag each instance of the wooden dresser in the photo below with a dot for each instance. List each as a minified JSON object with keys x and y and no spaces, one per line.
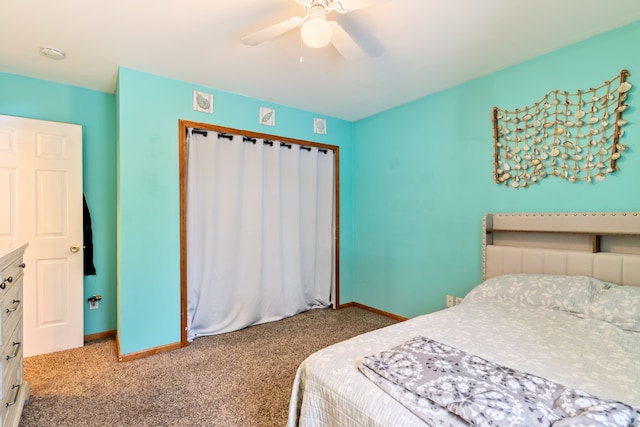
{"x":15,"y":391}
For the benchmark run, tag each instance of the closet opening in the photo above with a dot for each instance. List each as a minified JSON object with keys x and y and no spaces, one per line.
{"x":287,"y":200}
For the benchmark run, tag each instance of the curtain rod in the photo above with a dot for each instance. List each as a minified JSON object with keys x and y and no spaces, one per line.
{"x":222,"y":135}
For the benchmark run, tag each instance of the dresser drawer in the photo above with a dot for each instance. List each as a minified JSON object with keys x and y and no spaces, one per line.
{"x":12,"y":379}
{"x":11,"y":352}
{"x":13,"y":401}
{"x":11,"y":310}
{"x":11,"y":414}
{"x":10,"y":269}
{"x":10,"y":281}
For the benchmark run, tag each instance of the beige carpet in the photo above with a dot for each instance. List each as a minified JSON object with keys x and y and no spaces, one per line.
{"x":242,"y":378}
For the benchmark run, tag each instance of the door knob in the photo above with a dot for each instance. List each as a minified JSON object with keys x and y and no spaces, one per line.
{"x":75,"y":248}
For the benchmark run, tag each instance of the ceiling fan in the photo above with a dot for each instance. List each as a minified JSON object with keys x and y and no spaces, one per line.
{"x":318,"y":32}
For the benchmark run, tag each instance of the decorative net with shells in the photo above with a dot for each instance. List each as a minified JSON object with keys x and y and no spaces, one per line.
{"x":574,"y":136}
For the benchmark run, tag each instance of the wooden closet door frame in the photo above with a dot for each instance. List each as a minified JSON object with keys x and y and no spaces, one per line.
{"x":183,"y":125}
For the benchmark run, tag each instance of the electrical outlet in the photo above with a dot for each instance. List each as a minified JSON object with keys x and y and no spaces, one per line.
{"x":449,"y":301}
{"x":458,"y":300}
{"x":93,"y":305}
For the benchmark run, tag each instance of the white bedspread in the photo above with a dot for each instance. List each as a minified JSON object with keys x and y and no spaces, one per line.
{"x":586,"y":354}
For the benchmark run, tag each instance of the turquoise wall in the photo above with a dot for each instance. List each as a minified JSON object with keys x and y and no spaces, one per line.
{"x":95,"y":111}
{"x":149,"y":108}
{"x":423,"y":175}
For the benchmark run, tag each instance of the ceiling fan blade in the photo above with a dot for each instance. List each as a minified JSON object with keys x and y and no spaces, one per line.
{"x":344,"y":6}
{"x":342,"y":41}
{"x":360,"y":35}
{"x":272,"y":31}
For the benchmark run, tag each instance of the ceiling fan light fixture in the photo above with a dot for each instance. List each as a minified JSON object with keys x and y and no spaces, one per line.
{"x":316,"y":32}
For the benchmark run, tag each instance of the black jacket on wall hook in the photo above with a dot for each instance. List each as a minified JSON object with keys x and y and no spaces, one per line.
{"x":89,"y":268}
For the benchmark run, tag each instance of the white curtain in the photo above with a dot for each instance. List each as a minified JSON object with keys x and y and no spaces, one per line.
{"x":259,"y":231}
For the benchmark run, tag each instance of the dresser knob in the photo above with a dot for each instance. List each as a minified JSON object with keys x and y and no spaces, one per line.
{"x":23,"y":265}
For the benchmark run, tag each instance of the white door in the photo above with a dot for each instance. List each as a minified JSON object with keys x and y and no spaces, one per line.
{"x":41,"y":193}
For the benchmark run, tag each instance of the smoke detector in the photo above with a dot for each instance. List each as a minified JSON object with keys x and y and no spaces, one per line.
{"x":53,"y":53}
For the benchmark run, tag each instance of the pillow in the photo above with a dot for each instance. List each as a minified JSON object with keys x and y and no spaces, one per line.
{"x":619,"y":305}
{"x":568,"y":293}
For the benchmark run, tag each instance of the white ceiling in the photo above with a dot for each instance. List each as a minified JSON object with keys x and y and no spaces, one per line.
{"x":428,"y":45}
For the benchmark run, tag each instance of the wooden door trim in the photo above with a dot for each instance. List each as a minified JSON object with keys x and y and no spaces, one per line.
{"x":183,"y":125}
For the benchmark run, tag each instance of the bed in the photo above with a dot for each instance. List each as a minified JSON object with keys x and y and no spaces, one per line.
{"x":559,"y":305}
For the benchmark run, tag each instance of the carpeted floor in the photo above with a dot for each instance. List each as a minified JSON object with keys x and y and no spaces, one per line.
{"x":242,"y":378}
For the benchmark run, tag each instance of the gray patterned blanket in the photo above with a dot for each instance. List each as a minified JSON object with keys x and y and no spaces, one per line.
{"x":484,"y":393}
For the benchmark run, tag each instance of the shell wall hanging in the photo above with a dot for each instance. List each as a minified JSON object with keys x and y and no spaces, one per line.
{"x":573,"y":136}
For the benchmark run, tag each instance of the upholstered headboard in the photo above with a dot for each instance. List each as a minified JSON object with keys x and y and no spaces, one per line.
{"x":601,"y":245}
